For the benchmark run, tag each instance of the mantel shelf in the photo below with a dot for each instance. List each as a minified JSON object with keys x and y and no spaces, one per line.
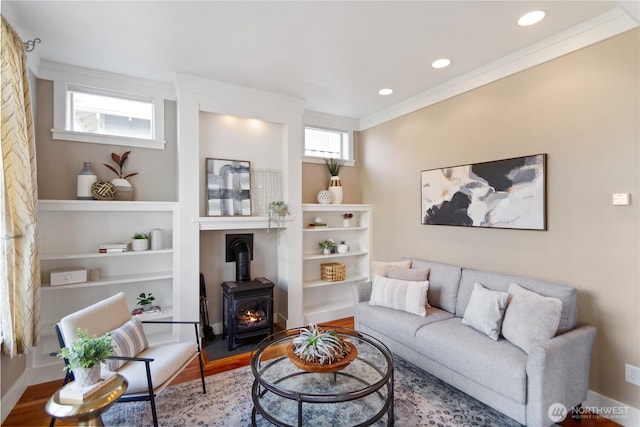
{"x":237,"y":222}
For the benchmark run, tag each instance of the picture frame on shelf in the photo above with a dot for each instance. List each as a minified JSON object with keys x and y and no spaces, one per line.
{"x":228,"y":187}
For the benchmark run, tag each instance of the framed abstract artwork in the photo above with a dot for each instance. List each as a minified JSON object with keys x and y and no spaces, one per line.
{"x":228,"y":187}
{"x":508,"y":193}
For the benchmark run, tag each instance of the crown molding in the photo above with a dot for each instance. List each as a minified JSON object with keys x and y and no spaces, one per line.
{"x":592,"y":31}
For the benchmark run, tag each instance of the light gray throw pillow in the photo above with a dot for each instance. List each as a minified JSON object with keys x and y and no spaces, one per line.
{"x":409,"y":296}
{"x":381,"y":267}
{"x":402,"y":273}
{"x":486,"y":310}
{"x":530,"y":318}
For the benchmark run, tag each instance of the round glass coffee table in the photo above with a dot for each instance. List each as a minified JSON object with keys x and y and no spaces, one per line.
{"x":360,"y":394}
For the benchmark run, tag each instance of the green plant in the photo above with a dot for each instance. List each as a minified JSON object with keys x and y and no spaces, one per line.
{"x":87,"y":352}
{"x":327,"y":244}
{"x":144,"y":299}
{"x":120,"y":160}
{"x":334,"y":165}
{"x":319,"y":346}
{"x":140,"y":236}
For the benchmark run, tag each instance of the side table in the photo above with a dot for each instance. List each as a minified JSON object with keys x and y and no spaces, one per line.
{"x":88,"y":413}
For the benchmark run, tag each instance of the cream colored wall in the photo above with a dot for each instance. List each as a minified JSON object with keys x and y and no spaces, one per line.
{"x":59,"y":162}
{"x":583,"y":110}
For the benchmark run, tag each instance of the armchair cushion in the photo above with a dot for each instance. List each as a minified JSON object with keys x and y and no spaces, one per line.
{"x":128,"y":340}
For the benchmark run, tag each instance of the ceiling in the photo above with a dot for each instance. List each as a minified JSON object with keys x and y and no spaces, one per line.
{"x":334,"y":55}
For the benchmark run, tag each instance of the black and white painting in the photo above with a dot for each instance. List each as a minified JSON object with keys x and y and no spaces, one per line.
{"x":228,"y":187}
{"x":501,"y":194}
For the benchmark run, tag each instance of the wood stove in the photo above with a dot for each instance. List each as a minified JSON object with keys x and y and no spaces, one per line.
{"x":247,"y":310}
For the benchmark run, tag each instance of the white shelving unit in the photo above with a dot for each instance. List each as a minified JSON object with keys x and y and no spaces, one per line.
{"x":70,"y":233}
{"x":322,"y":300}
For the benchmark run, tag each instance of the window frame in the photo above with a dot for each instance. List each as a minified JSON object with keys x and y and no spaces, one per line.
{"x":330,"y":123}
{"x":65,"y":77}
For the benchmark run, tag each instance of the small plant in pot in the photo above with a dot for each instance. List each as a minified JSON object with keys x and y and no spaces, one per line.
{"x":145,"y":300}
{"x":320,"y":350}
{"x":85,"y":355}
{"x":124,"y":189}
{"x":277,"y":211}
{"x":140,"y":242}
{"x":328,"y":246}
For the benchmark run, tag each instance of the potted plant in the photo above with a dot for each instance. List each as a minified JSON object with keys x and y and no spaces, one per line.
{"x":124,"y":189}
{"x":85,"y":355}
{"x":145,"y":300}
{"x":140,"y":242}
{"x":328,"y":246}
{"x":319,"y":350}
{"x":335,"y":185}
{"x":277,"y":212}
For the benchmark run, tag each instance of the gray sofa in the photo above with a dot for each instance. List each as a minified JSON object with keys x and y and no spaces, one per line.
{"x":522,"y":386}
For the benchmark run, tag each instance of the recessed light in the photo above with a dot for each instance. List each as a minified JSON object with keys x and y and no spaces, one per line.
{"x":531,"y":18}
{"x":441,"y":63}
{"x":385,"y":92}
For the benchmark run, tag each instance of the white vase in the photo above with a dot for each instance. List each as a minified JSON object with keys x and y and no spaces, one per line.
{"x":346,"y":222}
{"x":84,"y":181}
{"x":325,"y":197}
{"x":343,"y":248}
{"x":335,"y":187}
{"x":86,"y":377}
{"x":140,"y":244}
{"x":124,"y":189}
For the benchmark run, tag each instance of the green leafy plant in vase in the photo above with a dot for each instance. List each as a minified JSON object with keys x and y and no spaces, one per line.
{"x":335,"y":185}
{"x":84,"y":356}
{"x":124,"y":189}
{"x":277,"y":211}
{"x":320,"y":350}
{"x":328,"y":246}
{"x":145,"y":300}
{"x":140,"y":242}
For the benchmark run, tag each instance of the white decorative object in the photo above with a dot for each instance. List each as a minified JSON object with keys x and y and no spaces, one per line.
{"x":325,"y":197}
{"x":124,"y":189}
{"x":156,"y":239}
{"x":87,"y":376}
{"x":346,"y":223}
{"x":335,"y":187}
{"x":85,"y":180}
{"x":140,"y":244}
{"x":68,"y":276}
{"x":343,"y":248}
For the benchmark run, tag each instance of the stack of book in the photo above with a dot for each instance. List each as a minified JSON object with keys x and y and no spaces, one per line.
{"x":113,"y":247}
{"x":75,"y":393}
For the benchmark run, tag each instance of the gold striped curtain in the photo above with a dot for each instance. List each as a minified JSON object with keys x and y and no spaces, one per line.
{"x":19,"y":261}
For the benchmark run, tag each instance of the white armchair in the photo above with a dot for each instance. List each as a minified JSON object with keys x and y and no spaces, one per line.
{"x":147,"y":369}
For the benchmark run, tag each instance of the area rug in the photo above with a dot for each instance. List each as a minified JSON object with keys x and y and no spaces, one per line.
{"x":420,"y":400}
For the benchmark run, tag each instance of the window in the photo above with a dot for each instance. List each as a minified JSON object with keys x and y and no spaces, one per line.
{"x":327,"y":143}
{"x":109,"y":113}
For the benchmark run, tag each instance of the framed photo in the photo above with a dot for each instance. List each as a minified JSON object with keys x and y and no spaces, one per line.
{"x":228,"y":187}
{"x":507,"y":193}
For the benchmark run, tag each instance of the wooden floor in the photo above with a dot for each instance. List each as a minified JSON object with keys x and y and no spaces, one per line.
{"x":29,"y":411}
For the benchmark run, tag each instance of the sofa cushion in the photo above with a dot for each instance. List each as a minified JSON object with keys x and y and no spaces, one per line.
{"x":393,"y":323}
{"x":381,"y":267}
{"x":530,"y":319}
{"x":402,"y":295}
{"x":416,"y":274}
{"x":500,"y":282}
{"x":498,"y":365}
{"x":444,"y":280}
{"x":485,"y":311}
{"x":127,"y":340}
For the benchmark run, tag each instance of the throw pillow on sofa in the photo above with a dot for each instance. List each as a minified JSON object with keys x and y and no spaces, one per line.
{"x":409,"y":296}
{"x":485,"y":310}
{"x":530,"y":318}
{"x":413,"y":274}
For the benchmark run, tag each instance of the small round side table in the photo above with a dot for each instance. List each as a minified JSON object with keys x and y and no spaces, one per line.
{"x":88,"y":412}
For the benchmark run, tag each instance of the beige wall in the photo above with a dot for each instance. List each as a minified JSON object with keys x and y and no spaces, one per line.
{"x":59,"y":162}
{"x":583,"y":111}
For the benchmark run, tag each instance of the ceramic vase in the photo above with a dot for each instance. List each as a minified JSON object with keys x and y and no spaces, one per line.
{"x":86,"y":178}
{"x":335,"y":187}
{"x":86,"y":377}
{"x":325,"y":197}
{"x":343,"y":248}
{"x":124,"y":189}
{"x":140,"y":244}
{"x":346,"y":222}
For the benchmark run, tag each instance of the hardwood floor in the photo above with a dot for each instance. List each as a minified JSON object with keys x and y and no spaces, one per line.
{"x":29,"y":411}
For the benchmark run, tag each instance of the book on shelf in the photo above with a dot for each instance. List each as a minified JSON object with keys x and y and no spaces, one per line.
{"x":154,"y":310}
{"x":114,"y":245}
{"x":112,"y":250}
{"x":75,"y":393}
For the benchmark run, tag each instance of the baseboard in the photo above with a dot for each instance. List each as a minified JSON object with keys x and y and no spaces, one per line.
{"x":12,"y":396}
{"x":616,"y":411}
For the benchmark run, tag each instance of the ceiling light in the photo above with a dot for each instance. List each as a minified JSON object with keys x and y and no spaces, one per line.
{"x":531,"y":18}
{"x":441,"y":63}
{"x":385,"y":92}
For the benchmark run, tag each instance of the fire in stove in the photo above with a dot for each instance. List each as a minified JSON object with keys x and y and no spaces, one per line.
{"x":250,"y":318}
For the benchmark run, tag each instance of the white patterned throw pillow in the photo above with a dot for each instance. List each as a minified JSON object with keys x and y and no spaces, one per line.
{"x":128,"y":340}
{"x":409,"y":296}
{"x":485,"y":310}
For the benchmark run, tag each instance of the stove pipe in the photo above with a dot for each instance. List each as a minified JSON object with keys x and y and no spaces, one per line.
{"x":243,"y":260}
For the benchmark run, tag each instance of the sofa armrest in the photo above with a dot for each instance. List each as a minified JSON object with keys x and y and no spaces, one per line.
{"x":361,"y":292}
{"x":558,"y":372}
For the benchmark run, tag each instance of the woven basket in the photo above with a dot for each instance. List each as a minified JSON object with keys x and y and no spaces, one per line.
{"x":333,"y":271}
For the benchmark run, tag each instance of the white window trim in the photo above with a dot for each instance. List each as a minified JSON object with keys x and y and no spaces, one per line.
{"x":330,"y":122}
{"x":64,"y":75}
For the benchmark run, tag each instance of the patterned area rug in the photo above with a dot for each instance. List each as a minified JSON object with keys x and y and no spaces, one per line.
{"x":420,"y":400}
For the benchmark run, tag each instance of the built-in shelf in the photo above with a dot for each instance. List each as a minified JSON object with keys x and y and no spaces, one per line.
{"x":321,"y":283}
{"x":83,"y":255}
{"x":341,"y":229}
{"x":167,"y":313}
{"x":237,"y":222}
{"x":113,"y":280}
{"x":306,"y":257}
{"x":104,"y":206}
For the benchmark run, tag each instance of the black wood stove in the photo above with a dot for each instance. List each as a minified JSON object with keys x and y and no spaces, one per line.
{"x":247,"y":310}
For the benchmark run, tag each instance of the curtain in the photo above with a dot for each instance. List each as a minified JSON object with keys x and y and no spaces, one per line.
{"x":19,"y":260}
